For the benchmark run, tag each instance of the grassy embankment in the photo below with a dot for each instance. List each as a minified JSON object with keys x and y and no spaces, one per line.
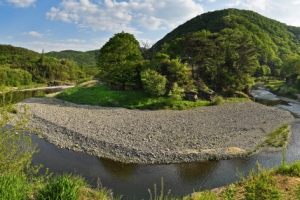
{"x":97,"y":94}
{"x":282,"y":89}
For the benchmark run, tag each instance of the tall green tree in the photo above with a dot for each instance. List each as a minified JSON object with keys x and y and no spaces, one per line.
{"x":291,"y":70}
{"x":118,"y":60}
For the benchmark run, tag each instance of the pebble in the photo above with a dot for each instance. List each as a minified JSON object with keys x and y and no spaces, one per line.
{"x":179,"y":133}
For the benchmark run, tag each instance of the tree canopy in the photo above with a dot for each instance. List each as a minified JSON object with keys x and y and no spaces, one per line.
{"x":118,"y":60}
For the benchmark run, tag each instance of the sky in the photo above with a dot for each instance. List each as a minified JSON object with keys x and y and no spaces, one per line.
{"x":82,"y":25}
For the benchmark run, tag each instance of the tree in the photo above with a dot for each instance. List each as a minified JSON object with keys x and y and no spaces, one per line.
{"x":153,"y":82}
{"x":15,"y":146}
{"x":118,"y":60}
{"x":291,"y":70}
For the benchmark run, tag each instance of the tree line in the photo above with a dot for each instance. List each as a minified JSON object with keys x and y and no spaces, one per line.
{"x":19,"y":66}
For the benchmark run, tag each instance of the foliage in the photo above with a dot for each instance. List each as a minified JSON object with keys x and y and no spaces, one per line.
{"x":14,"y":77}
{"x":13,"y":187}
{"x":62,"y":187}
{"x":83,"y":59}
{"x":273,"y":40}
{"x":224,"y":61}
{"x":20,"y":66}
{"x":173,"y":69}
{"x":176,"y":93}
{"x":100,"y":95}
{"x":291,"y":70}
{"x":15,"y":145}
{"x":161,"y":195}
{"x":118,"y":60}
{"x":153,"y":82}
{"x":261,"y":186}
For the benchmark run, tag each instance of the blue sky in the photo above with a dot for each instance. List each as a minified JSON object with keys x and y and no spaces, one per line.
{"x":55,"y":25}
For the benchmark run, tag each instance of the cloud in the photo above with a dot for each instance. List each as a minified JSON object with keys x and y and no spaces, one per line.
{"x":33,"y":34}
{"x":111,"y":15}
{"x":9,"y":37}
{"x":66,"y":45}
{"x":275,"y":9}
{"x":22,"y":3}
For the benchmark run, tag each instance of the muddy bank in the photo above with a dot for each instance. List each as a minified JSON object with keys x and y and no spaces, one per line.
{"x":164,"y":136}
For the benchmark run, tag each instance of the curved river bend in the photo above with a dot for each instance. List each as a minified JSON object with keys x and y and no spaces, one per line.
{"x":133,"y":180}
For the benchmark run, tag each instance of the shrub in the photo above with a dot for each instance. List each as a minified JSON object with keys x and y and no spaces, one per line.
{"x":218,"y":100}
{"x":12,"y":187}
{"x":176,"y":93}
{"x":261,"y":186}
{"x":154,"y":83}
{"x":62,"y":187}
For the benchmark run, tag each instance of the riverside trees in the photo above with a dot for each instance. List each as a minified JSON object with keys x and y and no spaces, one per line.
{"x":119,"y":60}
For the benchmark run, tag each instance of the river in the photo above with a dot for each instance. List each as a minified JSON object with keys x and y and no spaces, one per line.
{"x":133,"y":180}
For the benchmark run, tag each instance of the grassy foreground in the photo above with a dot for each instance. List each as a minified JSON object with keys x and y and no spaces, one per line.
{"x":100,"y":95}
{"x":281,"y":183}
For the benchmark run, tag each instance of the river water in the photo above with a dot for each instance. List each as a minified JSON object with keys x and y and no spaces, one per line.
{"x":133,"y":180}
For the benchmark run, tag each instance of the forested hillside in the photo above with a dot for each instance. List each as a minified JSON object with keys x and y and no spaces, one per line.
{"x":87,"y":59}
{"x":217,"y":44}
{"x":20,"y":66}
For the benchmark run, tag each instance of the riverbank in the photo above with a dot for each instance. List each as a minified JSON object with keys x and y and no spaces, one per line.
{"x":164,"y":136}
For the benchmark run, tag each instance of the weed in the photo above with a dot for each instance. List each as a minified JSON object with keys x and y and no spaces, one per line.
{"x":161,"y":196}
{"x":13,"y":187}
{"x":62,"y":187}
{"x":228,"y":194}
{"x":298,"y":192}
{"x":261,"y":186}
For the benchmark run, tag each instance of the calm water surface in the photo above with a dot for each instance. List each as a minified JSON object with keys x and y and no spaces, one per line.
{"x":133,"y":180}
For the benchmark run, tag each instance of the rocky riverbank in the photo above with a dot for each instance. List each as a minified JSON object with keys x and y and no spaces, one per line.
{"x":164,"y":136}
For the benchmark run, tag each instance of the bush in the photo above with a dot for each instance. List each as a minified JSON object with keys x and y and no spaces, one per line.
{"x":15,"y":146}
{"x":261,"y":186}
{"x":154,"y":83}
{"x":218,"y":100}
{"x":62,"y":187}
{"x":176,"y":93}
{"x":12,"y":187}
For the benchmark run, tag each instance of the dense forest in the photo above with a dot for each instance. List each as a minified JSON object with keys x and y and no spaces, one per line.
{"x":222,"y":50}
{"x":217,"y":43}
{"x":20,"y":66}
{"x":87,"y":59}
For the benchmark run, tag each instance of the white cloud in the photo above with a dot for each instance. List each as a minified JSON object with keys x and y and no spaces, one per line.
{"x":33,"y":34}
{"x":22,"y":3}
{"x":65,"y":45}
{"x":283,"y":11}
{"x":114,"y":16}
{"x":9,"y":37}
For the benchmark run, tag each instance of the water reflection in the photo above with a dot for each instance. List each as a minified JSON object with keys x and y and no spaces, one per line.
{"x":17,"y":96}
{"x":119,"y":170}
{"x":193,"y":172}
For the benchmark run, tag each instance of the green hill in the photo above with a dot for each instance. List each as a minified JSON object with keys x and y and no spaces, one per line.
{"x":87,"y":59}
{"x":20,"y":66}
{"x":10,"y":54}
{"x":274,"y":40}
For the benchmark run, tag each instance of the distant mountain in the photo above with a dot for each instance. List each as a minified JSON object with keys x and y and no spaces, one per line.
{"x":274,"y":40}
{"x":88,"y":58}
{"x":10,"y":54}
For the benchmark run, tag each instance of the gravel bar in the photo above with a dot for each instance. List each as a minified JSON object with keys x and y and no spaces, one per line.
{"x":163,"y":136}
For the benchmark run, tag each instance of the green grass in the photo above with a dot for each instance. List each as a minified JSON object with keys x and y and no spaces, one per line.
{"x":13,"y":187}
{"x":62,"y":187}
{"x":276,"y":138}
{"x":100,"y":95}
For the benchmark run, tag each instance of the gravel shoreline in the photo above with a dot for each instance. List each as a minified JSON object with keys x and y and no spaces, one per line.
{"x":164,"y":136}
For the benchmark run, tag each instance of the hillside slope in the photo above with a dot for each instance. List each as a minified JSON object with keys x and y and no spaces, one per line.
{"x":274,"y":40}
{"x":87,"y":59}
